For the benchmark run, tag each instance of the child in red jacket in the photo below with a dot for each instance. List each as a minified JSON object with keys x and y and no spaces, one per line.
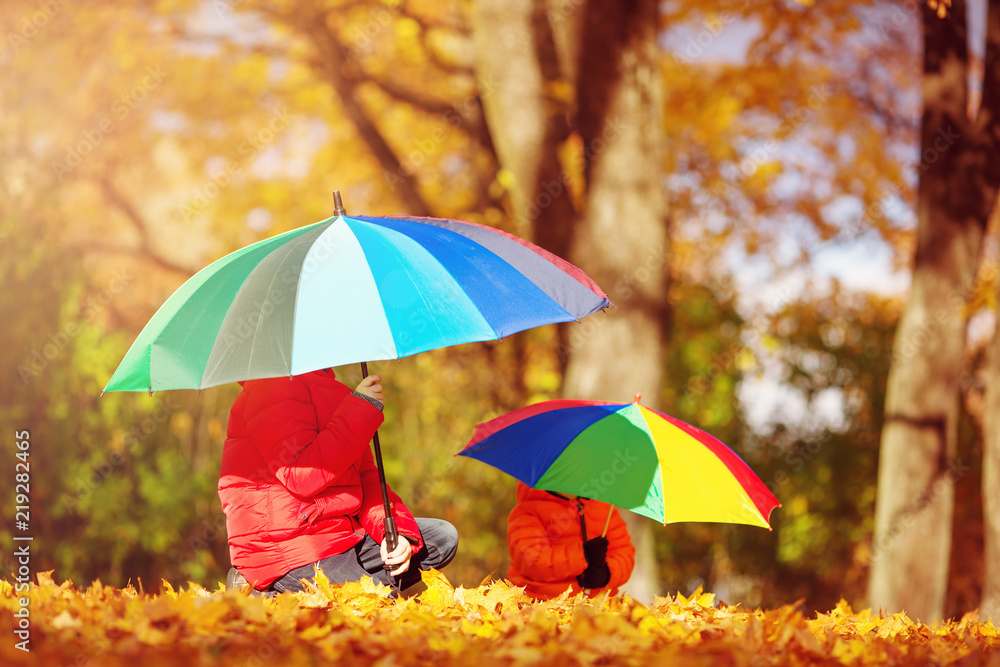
{"x":300,"y":489}
{"x":558,"y":542}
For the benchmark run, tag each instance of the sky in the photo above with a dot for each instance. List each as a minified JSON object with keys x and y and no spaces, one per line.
{"x":863,"y":264}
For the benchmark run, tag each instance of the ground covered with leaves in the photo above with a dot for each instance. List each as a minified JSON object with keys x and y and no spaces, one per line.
{"x":494,"y":624}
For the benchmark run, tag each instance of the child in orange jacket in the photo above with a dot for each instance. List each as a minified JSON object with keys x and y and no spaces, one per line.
{"x":556,"y":542}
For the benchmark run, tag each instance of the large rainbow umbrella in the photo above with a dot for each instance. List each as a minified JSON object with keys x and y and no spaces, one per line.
{"x":351,"y":289}
{"x":626,"y":455}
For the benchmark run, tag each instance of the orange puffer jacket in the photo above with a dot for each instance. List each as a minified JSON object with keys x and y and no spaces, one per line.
{"x":298,"y":480}
{"x":546,"y":544}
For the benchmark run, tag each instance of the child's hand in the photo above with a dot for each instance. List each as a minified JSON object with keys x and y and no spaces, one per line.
{"x":371,"y":387}
{"x":399,"y":559}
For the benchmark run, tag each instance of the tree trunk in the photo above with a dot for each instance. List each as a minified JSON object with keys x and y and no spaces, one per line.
{"x":516,"y":64}
{"x":917,"y":470}
{"x":622,"y":237}
{"x":989,"y":608}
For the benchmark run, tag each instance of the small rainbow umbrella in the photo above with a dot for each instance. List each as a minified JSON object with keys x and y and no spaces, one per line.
{"x":626,"y":455}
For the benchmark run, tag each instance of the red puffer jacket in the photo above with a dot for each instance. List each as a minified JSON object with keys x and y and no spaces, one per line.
{"x":545,"y":541}
{"x":298,"y":480}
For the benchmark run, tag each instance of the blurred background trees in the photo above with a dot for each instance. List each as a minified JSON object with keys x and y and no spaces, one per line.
{"x":959,"y":175}
{"x":741,"y":178}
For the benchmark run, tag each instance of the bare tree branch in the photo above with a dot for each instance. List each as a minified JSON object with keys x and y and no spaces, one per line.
{"x":426,"y":26}
{"x":331,"y":68}
{"x":474,"y":127}
{"x":451,"y":68}
{"x":117,"y":199}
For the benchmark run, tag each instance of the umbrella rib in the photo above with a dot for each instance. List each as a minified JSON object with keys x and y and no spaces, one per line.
{"x":286,"y":248}
{"x":232,"y":303}
{"x":385,"y":235}
{"x":298,"y":288}
{"x":260,"y":320}
{"x":500,"y":260}
{"x":406,"y":268}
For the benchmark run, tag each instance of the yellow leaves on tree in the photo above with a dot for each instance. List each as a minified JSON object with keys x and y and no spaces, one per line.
{"x":940,"y":6}
{"x":492,"y":624}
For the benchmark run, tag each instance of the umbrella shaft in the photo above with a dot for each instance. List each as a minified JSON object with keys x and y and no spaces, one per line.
{"x":391,"y":536}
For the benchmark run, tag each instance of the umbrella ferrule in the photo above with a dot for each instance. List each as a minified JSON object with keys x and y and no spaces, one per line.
{"x":338,"y":204}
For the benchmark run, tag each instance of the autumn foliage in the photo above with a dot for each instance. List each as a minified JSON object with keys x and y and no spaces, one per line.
{"x":493,"y":624}
{"x":143,"y":139}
